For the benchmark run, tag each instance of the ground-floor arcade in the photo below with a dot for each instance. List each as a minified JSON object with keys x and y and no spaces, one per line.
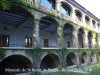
{"x":46,"y":60}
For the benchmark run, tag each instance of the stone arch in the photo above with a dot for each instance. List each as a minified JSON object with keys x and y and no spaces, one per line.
{"x":47,"y":17}
{"x":23,"y":10}
{"x":93,"y":58}
{"x":85,"y":58}
{"x":78,"y":14}
{"x":94,"y":23}
{"x":15,"y":62}
{"x":67,"y":7}
{"x":50,"y":61}
{"x":87,"y":19}
{"x":68,"y":32}
{"x":67,"y":4}
{"x":48,"y":27}
{"x":18,"y":20}
{"x":70,"y":25}
{"x":81,"y":29}
{"x":80,"y":37}
{"x":51,"y":3}
{"x":71,"y":59}
{"x":19,"y":52}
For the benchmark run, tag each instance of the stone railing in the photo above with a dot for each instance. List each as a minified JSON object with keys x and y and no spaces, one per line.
{"x":69,"y":18}
{"x":51,"y":10}
{"x":79,"y":22}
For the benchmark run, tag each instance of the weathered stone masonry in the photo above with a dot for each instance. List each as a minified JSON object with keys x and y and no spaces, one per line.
{"x":42,"y":37}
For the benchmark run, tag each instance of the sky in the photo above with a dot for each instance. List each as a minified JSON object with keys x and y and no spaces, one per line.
{"x":91,"y":5}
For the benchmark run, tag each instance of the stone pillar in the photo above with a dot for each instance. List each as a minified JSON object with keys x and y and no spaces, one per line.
{"x":36,"y":3}
{"x":93,"y":40}
{"x":59,"y":6}
{"x":75,"y":38}
{"x":85,"y":39}
{"x":83,"y":19}
{"x":91,"y":22}
{"x":60,"y":36}
{"x":36,"y":33}
{"x":99,"y":40}
{"x":74,"y":15}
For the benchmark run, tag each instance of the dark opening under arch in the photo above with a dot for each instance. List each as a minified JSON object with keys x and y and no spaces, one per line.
{"x":14,"y":62}
{"x":82,"y":60}
{"x":71,"y":59}
{"x":50,"y":61}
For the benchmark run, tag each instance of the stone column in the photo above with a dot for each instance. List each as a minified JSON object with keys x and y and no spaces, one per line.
{"x":83,"y":19}
{"x":59,"y":6}
{"x":36,"y":33}
{"x":36,"y":3}
{"x":75,"y":38}
{"x":99,"y":40}
{"x":60,"y":36}
{"x":93,"y":40}
{"x":74,"y":15}
{"x":85,"y":39}
{"x":91,"y":22}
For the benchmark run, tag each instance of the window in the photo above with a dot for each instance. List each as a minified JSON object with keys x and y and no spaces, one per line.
{"x":68,"y":44}
{"x":78,"y":15}
{"x":93,"y":23}
{"x":4,"y":40}
{"x":87,"y":20}
{"x":28,"y":42}
{"x":66,"y":9}
{"x":45,"y":42}
{"x":49,"y":3}
{"x":98,"y":26}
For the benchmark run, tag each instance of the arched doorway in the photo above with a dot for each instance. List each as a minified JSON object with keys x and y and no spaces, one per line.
{"x":48,"y":32}
{"x":15,"y":62}
{"x":50,"y":61}
{"x":80,"y":38}
{"x":71,"y":59}
{"x":68,"y":32}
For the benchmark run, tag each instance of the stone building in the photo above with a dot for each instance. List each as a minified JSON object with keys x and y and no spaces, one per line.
{"x":42,"y":34}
